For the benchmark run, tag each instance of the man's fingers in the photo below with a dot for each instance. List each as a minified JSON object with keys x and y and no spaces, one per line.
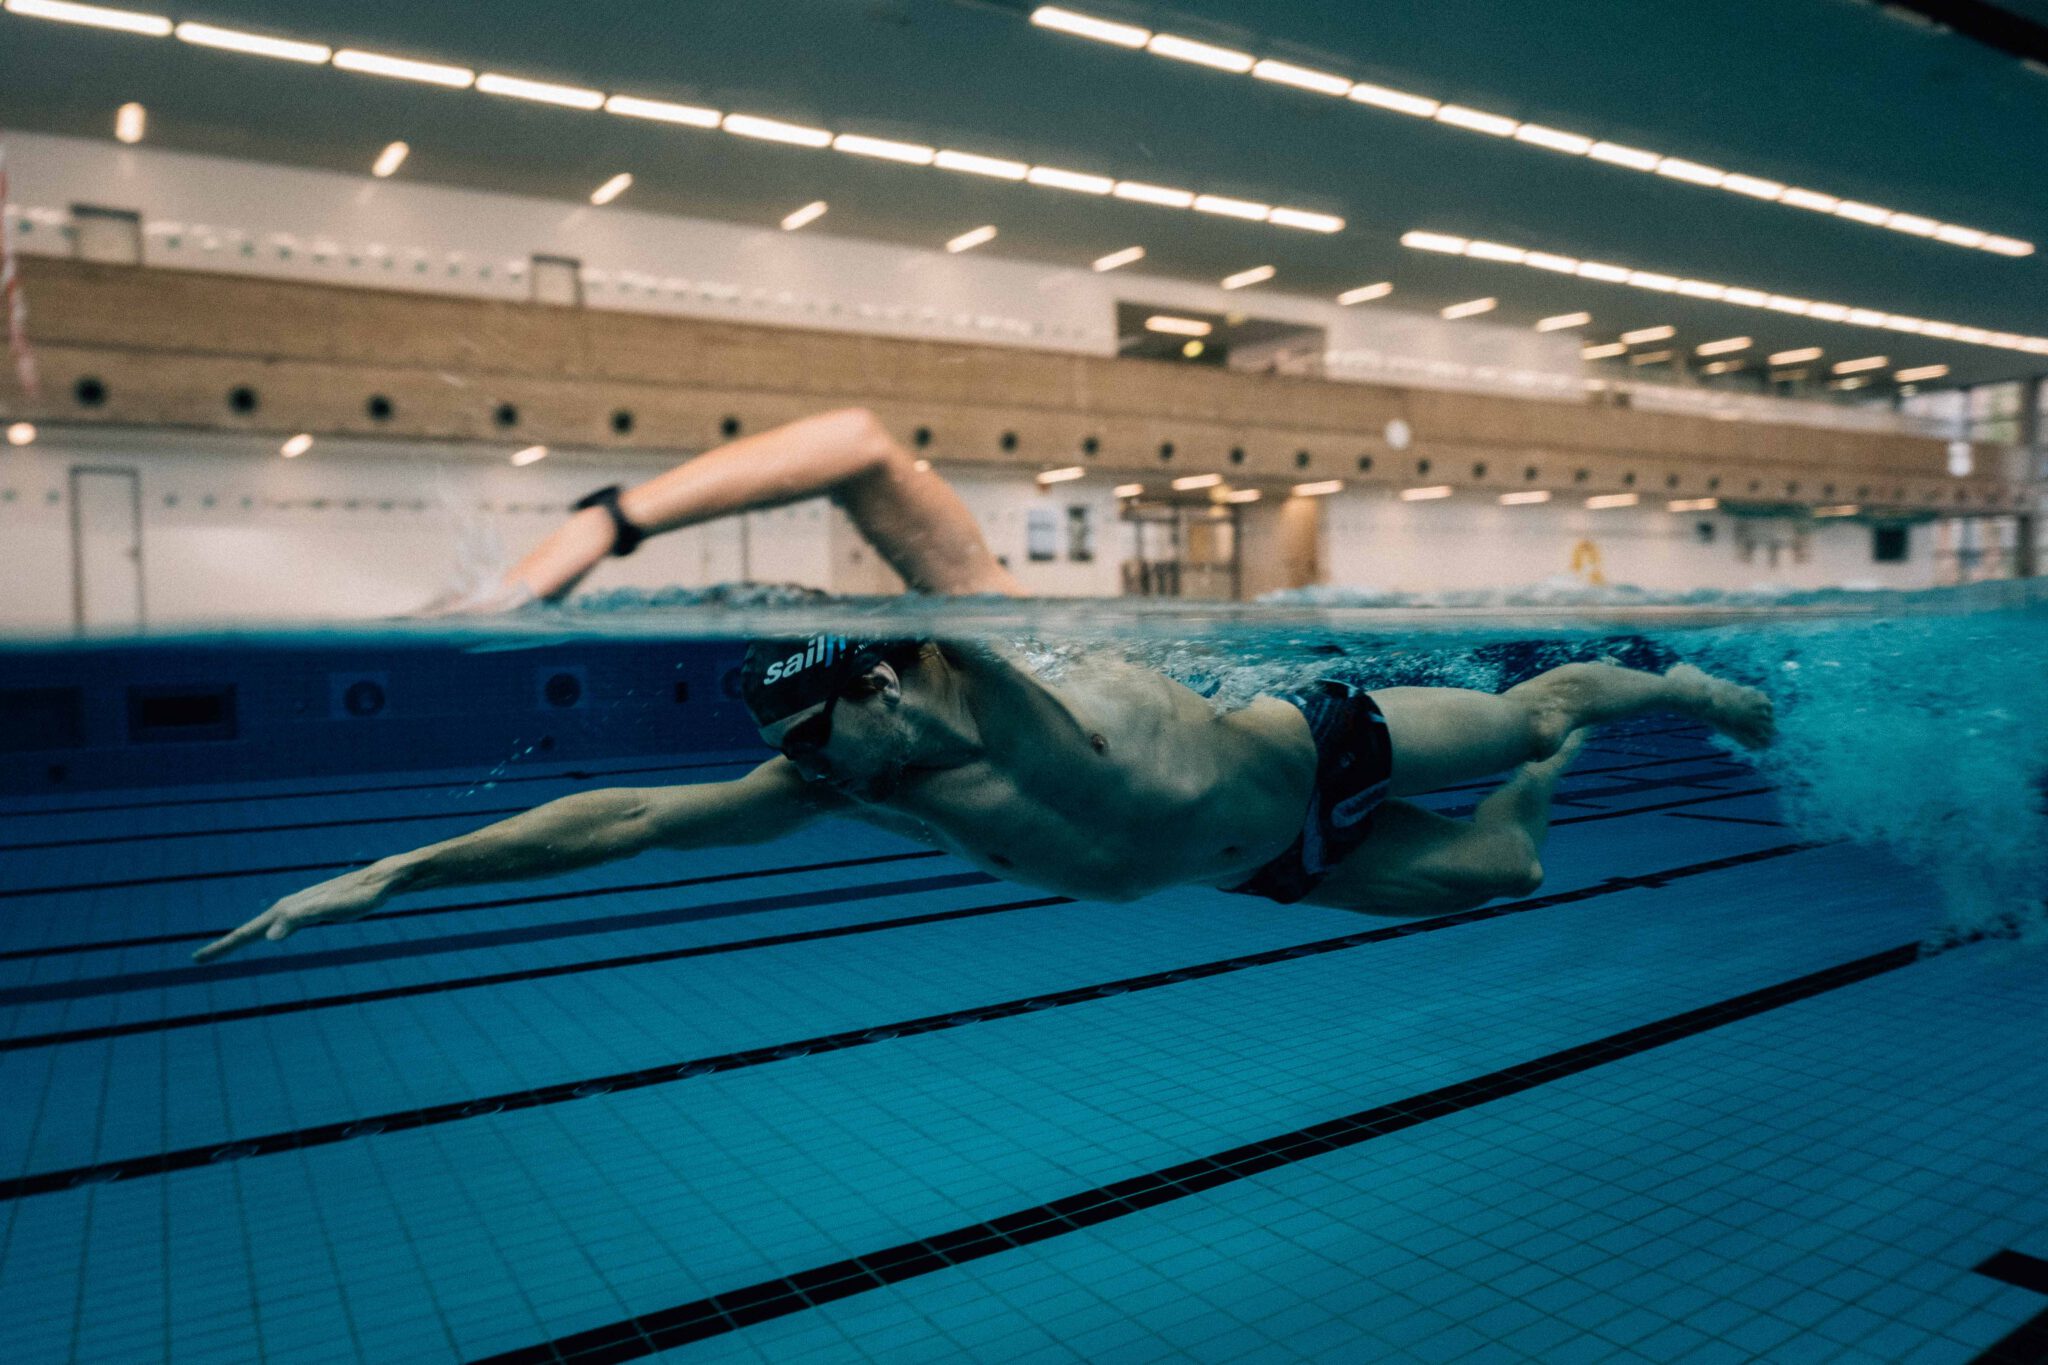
{"x":227,"y":943}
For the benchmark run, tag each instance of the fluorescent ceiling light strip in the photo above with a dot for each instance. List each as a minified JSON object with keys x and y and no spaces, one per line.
{"x":1643,"y":334}
{"x":1562,"y":321}
{"x":130,"y":122}
{"x":1319,"y":488}
{"x":540,"y":92}
{"x":661,"y":111}
{"x":809,"y":213}
{"x":885,"y":149}
{"x":1302,"y":218}
{"x":1603,"y":352}
{"x":992,"y":166}
{"x":1117,"y":259}
{"x":1242,"y":495}
{"x":1258,"y":274}
{"x":1366,"y":293}
{"x":1440,"y":490}
{"x":1469,"y":308}
{"x":389,"y":160}
{"x":1796,"y":357}
{"x":1180,"y":327}
{"x":969,"y":240}
{"x":1603,"y":500}
{"x":1524,"y":499}
{"x":1201,"y":54}
{"x":1919,"y":372}
{"x":1067,"y":475}
{"x":1188,"y":483}
{"x":1476,"y":120}
{"x":1087,"y":26}
{"x":1301,"y":78}
{"x":1869,"y":362}
{"x":255,"y":44}
{"x":404,"y":68}
{"x":1448,"y":244}
{"x":1054,"y":178}
{"x":1127,"y":490}
{"x":1140,"y":193}
{"x":775,"y":130}
{"x":1399,"y":101}
{"x":1232,"y":208}
{"x":1723,"y":346}
{"x":1499,"y":125}
{"x":1692,"y":504}
{"x":93,"y":16}
{"x":611,"y":189}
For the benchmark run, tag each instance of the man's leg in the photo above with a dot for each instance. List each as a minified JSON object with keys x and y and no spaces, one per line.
{"x":1416,"y":862}
{"x":1445,"y":735}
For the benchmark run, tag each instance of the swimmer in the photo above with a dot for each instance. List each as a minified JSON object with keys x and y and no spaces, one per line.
{"x":1110,"y":784}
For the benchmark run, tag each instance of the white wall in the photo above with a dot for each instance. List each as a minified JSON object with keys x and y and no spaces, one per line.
{"x":356,"y":530}
{"x":1371,"y":539}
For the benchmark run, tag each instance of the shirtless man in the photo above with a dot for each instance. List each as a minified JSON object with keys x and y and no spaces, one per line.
{"x":1109,"y":784}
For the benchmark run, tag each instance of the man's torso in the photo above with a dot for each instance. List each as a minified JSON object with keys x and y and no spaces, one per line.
{"x":1112,"y":783}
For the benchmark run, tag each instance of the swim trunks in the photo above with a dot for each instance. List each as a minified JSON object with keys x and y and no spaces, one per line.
{"x":1354,"y":763}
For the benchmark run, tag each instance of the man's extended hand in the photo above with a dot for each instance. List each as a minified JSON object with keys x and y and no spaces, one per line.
{"x":349,"y":896}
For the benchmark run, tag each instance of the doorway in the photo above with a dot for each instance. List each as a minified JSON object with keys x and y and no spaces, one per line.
{"x":1181,"y":550}
{"x":106,"y":549}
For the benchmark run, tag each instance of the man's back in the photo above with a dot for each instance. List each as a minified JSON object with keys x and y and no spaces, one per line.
{"x":1110,"y":783}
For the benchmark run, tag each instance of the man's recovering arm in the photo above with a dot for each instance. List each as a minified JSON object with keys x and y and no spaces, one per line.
{"x":576,"y":831}
{"x":910,"y":515}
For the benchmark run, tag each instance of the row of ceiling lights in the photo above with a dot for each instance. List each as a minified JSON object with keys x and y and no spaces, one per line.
{"x":130,"y":121}
{"x":1555,"y":140}
{"x":662,"y":111}
{"x":1662,"y":282}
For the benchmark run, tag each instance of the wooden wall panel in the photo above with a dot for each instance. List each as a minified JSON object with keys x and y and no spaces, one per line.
{"x":170,"y":344}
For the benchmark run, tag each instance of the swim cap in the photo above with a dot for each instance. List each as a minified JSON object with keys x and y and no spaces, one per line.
{"x":781,"y":678}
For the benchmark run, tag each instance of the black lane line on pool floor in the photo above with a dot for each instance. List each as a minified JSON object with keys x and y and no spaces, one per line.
{"x":208,"y":935}
{"x":2026,"y":1344}
{"x":188,"y":1158}
{"x":566,"y":775}
{"x":192,"y":975}
{"x":90,"y":1033}
{"x":637,"y":1337}
{"x":499,"y":903}
{"x":463,"y":983}
{"x":486,"y":812}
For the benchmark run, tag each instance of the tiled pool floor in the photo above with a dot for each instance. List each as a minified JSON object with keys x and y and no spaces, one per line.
{"x":841,"y":1099}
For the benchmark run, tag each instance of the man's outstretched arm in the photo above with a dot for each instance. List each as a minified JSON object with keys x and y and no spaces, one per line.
{"x":911,"y":516}
{"x":576,"y":831}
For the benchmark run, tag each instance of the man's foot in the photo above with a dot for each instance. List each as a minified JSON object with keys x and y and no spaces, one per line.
{"x":1743,"y":714}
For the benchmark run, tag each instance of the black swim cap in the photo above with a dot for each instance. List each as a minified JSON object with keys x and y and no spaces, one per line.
{"x":781,"y":678}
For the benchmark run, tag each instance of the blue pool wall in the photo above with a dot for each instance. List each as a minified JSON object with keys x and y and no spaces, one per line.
{"x":139,"y":714}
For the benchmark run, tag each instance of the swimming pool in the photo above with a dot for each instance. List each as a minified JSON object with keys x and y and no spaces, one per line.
{"x":1755,"y":1075}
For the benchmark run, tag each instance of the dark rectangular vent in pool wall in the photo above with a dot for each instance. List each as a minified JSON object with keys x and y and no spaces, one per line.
{"x":180,"y":715}
{"x":33,"y":718}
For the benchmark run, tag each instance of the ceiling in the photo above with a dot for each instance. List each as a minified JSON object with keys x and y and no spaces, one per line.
{"x":1835,"y":95}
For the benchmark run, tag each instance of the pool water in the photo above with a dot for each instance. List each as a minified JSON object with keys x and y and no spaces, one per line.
{"x":1756,"y":1075}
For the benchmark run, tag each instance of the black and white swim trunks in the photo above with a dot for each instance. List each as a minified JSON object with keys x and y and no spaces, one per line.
{"x":1354,"y":763}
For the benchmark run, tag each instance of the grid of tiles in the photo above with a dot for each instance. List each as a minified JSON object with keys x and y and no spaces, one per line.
{"x":510,"y":1230}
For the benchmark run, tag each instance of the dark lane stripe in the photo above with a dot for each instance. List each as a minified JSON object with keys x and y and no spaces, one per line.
{"x":499,"y":903}
{"x":461,"y":983}
{"x":2026,"y":1344}
{"x":637,"y":1337}
{"x":189,"y":1157}
{"x":190,"y":975}
{"x":229,"y":831}
{"x":172,"y":878}
{"x":1722,"y":819}
{"x":566,"y":775}
{"x":1661,"y":805}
